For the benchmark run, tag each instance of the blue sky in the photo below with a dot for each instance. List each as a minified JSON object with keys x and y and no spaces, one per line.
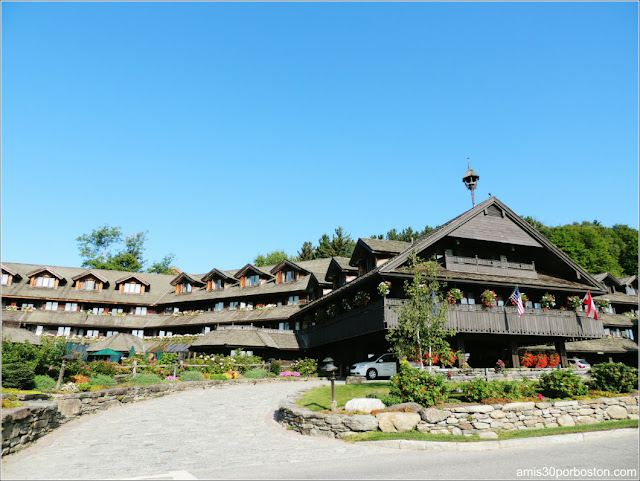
{"x":226,"y":130}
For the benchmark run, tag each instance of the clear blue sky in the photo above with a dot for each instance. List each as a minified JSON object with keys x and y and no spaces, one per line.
{"x":232,"y":129}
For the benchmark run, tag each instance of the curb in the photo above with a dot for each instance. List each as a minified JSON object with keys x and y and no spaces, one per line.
{"x":506,"y":444}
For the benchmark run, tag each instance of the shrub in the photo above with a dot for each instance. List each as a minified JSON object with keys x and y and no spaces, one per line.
{"x":102,"y":380}
{"x":562,"y":384}
{"x":18,"y":375}
{"x":276,"y":367}
{"x":256,"y":373}
{"x":44,"y":383}
{"x":414,"y":385}
{"x":79,"y":379}
{"x":306,"y":366}
{"x":218,"y":377}
{"x":145,"y":379}
{"x":614,"y":377}
{"x":84,"y":386}
{"x":479,"y":389}
{"x":191,"y":376}
{"x":104,"y":367}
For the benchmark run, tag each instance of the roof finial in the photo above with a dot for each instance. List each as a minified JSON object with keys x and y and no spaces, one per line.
{"x":471,"y":181}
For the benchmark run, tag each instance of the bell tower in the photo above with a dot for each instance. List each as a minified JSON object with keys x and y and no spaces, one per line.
{"x":470,"y":179}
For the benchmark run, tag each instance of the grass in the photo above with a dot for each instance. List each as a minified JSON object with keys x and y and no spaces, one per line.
{"x":502,"y":435}
{"x":319,"y":399}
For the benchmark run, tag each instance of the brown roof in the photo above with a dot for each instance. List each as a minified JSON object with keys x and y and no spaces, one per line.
{"x":383,"y":245}
{"x":118,"y":342}
{"x":132,"y":276}
{"x":249,"y":337}
{"x":183,"y":276}
{"x":619,"y":298}
{"x":8,"y":270}
{"x":616,"y":320}
{"x":90,"y":272}
{"x":15,"y":334}
{"x":43,"y":269}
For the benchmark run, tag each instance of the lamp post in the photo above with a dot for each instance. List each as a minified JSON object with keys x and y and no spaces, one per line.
{"x":65,"y":358}
{"x":330,"y":368}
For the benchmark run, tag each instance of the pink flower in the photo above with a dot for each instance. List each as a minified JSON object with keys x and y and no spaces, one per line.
{"x":540,"y":397}
{"x":50,"y":368}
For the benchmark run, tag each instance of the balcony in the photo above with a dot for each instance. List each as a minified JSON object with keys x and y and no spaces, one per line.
{"x":473,"y":318}
{"x":490,"y":266}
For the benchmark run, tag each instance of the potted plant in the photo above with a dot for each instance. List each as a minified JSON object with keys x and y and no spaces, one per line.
{"x":574,"y":302}
{"x":361,"y":298}
{"x":384,"y":287}
{"x":603,"y":304}
{"x":547,"y":301}
{"x":454,"y":296}
{"x":489,"y":298}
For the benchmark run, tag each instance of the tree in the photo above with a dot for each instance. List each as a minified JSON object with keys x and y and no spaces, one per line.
{"x":307,"y":252}
{"x":422,"y":317}
{"x":406,"y":235}
{"x":340,"y":244}
{"x":163,"y":266}
{"x":96,"y":251}
{"x":271,"y":258}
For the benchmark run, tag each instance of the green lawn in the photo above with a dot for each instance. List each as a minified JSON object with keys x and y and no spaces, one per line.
{"x":528,"y":433}
{"x":319,"y":399}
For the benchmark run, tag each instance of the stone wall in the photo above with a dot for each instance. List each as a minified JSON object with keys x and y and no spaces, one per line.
{"x":484,"y":420}
{"x":22,"y":425}
{"x":510,"y":374}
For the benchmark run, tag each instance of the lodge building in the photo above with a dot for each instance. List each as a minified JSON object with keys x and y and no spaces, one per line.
{"x":334,"y":307}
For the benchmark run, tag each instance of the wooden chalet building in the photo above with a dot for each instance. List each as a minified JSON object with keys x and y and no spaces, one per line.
{"x":332,"y":306}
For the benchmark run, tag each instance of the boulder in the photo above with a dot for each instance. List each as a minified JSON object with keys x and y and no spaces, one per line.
{"x":354,"y":380}
{"x":364,"y":405}
{"x":361,"y":422}
{"x":433,"y":415}
{"x":616,"y":412}
{"x":565,"y":420}
{"x":397,"y":422}
{"x":405,"y":407}
{"x":70,"y":407}
{"x":487,"y":435}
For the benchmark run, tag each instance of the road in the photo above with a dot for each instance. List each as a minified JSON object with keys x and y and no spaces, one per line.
{"x":230,"y":433}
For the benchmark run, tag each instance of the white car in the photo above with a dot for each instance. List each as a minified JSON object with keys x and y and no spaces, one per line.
{"x":378,"y":366}
{"x":579,"y":363}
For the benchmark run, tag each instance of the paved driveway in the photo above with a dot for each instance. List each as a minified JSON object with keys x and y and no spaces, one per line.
{"x":229,"y":432}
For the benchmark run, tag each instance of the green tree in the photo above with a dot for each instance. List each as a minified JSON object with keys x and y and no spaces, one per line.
{"x":271,"y":258}
{"x":629,"y":251}
{"x":307,"y":252}
{"x":405,"y":235}
{"x":340,"y":244}
{"x":422,"y":317}
{"x":163,"y":266}
{"x":105,"y":248}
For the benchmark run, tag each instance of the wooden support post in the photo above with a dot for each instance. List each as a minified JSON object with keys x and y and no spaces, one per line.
{"x":562,"y":350}
{"x":135,"y":367}
{"x":461,"y":349}
{"x":515,"y":359}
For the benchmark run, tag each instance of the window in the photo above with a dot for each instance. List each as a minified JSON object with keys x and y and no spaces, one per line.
{"x":51,"y":306}
{"x":27,"y":305}
{"x":5,"y":278}
{"x":71,"y":306}
{"x":217,"y":285}
{"x":89,"y":285}
{"x":283,"y":326}
{"x":92,"y":333}
{"x":500,"y":300}
{"x":45,"y":282}
{"x":628,"y":333}
{"x":297,"y":325}
{"x":140,"y":311}
{"x":187,"y":287}
{"x":132,"y":288}
{"x":39,"y":330}
{"x":233,"y":306}
{"x":243,"y":305}
{"x":64,"y":331}
{"x":115,"y":312}
{"x":111,"y":333}
{"x":293,"y":300}
{"x":138,"y":332}
{"x":537,"y":305}
{"x":219,"y":306}
{"x":206,"y":329}
{"x":98,"y":310}
{"x":629,"y":289}
{"x":607,"y":331}
{"x":252,"y":280}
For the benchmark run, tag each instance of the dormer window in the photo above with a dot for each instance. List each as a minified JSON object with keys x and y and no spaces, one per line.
{"x":186,"y":287}
{"x":132,"y":288}
{"x":217,"y":285}
{"x":252,"y":281}
{"x":5,"y":279}
{"x":44,"y":281}
{"x":90,"y":281}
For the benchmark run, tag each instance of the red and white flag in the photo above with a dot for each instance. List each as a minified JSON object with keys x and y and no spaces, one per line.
{"x":592,"y":311}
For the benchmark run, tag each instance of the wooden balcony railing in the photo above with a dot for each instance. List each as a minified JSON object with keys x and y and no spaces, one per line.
{"x":490,"y":266}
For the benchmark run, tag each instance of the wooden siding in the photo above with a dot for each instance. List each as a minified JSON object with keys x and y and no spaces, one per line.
{"x":497,"y":229}
{"x":490,"y":266}
{"x":505,"y":320}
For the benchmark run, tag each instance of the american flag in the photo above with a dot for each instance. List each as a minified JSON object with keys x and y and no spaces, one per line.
{"x":517,"y":300}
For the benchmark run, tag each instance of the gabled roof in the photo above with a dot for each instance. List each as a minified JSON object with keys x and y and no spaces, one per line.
{"x":376,"y":246}
{"x":626,"y":281}
{"x":218,"y":273}
{"x":9,"y":271}
{"x":90,"y":272}
{"x":44,"y":269}
{"x":249,"y":337}
{"x":285,"y":263}
{"x":132,"y":276}
{"x":184,"y":277}
{"x":338,"y":265}
{"x":601,"y":277}
{"x":525,"y":232}
{"x":251,"y":267}
{"x":118,"y":342}
{"x":19,"y":335}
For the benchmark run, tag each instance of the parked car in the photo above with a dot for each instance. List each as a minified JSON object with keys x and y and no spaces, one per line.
{"x":579,"y":363}
{"x":378,"y":366}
